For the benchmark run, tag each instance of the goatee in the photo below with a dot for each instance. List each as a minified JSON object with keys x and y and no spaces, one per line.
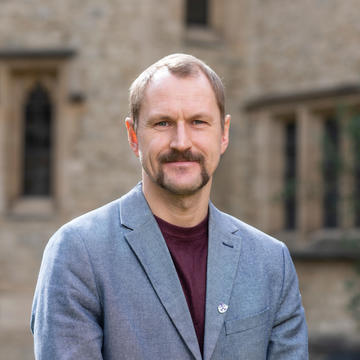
{"x":175,"y":156}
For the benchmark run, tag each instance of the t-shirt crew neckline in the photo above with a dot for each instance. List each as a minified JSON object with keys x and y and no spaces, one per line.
{"x":183,"y":233}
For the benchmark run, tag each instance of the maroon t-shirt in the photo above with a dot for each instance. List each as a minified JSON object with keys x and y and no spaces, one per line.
{"x":188,"y":248}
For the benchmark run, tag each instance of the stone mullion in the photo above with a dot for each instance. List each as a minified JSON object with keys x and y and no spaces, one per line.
{"x":263,"y":170}
{"x":3,"y":101}
{"x":65,"y":127}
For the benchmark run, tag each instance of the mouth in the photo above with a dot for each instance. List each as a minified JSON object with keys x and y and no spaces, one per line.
{"x":180,"y":163}
{"x":179,"y":158}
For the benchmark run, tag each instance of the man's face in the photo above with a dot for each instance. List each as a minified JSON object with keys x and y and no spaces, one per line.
{"x":179,"y":137}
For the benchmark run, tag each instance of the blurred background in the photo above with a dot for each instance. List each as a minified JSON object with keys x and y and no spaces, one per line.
{"x":292,"y":76}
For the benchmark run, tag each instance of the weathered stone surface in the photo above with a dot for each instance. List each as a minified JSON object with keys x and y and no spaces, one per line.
{"x":258,"y":47}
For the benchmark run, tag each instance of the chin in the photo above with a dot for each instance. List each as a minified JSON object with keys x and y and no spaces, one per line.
{"x":183,"y":189}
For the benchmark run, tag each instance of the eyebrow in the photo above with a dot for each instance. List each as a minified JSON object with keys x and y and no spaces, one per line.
{"x":159,"y":117}
{"x":164,"y":117}
{"x":201,"y":115}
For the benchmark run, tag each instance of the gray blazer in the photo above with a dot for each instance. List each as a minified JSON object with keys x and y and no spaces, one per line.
{"x":108,"y":289}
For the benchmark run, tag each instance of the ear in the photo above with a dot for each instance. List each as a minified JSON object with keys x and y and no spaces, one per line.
{"x":132,"y":138}
{"x":225,"y":134}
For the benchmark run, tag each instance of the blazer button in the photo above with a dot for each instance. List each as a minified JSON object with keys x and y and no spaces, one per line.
{"x":222,"y":308}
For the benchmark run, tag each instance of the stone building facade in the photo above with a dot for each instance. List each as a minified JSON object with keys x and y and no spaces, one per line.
{"x":291,"y":71}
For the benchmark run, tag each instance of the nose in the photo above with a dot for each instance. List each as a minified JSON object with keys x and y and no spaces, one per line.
{"x":181,"y":140}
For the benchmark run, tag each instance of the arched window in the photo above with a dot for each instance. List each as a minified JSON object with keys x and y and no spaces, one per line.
{"x":37,"y":143}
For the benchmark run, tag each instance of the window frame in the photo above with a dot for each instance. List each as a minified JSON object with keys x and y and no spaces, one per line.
{"x":268,"y":116}
{"x":18,"y":72}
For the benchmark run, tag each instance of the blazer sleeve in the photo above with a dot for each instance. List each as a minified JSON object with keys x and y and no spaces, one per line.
{"x":66,"y":314}
{"x":289,"y":338}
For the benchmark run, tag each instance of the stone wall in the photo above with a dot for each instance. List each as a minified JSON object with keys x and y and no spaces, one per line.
{"x":258,"y":47}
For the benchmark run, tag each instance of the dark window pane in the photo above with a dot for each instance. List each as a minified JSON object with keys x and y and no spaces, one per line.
{"x":290,"y":176}
{"x":331,"y":167}
{"x":196,"y":12}
{"x":37,"y":149}
{"x":355,"y":135}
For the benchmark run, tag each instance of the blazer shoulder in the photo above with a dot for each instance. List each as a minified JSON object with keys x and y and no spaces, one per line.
{"x":93,"y":227}
{"x":101,"y":227}
{"x":100,"y":218}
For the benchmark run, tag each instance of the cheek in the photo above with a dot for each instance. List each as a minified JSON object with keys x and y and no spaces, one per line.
{"x":148,"y":153}
{"x":213,"y":158}
{"x":141,"y":156}
{"x":213,"y":149}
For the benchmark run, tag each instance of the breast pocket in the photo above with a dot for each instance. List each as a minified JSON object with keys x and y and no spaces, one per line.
{"x":247,"y":323}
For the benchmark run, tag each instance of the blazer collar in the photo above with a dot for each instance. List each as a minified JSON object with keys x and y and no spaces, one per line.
{"x":150,"y":248}
{"x":135,"y":211}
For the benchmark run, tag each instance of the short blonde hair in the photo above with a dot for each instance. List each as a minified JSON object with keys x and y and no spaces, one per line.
{"x":181,"y":65}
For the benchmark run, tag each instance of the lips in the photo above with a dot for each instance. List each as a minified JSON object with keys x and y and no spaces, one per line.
{"x":181,"y":164}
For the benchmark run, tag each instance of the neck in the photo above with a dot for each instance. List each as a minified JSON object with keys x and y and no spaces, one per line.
{"x":180,"y":210}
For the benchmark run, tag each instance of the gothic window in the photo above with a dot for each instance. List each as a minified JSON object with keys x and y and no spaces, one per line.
{"x":37,"y":143}
{"x":197,"y":12}
{"x":34,"y":132}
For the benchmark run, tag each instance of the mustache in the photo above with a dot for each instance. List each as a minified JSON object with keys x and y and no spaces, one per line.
{"x":176,"y":155}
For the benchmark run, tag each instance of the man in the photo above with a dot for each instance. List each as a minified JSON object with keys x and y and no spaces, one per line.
{"x":161,"y":273}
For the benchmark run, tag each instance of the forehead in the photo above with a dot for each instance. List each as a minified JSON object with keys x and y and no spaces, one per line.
{"x":168,"y":92}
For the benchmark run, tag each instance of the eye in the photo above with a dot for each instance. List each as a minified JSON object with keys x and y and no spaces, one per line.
{"x":198,"y":122}
{"x":162,"y":123}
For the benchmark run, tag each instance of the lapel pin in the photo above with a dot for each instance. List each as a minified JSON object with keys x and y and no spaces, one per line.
{"x":222,"y":308}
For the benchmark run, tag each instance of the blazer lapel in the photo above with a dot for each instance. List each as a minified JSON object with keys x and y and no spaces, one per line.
{"x":148,"y":244}
{"x":223,"y":258}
